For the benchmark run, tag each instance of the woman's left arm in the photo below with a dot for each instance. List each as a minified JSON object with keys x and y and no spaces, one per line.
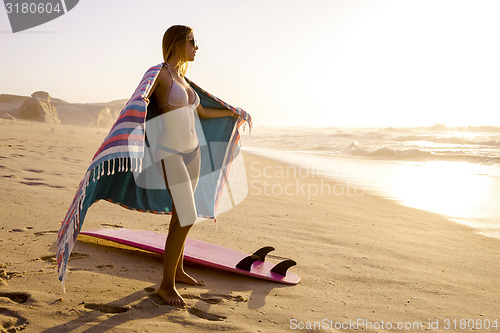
{"x":214,"y":113}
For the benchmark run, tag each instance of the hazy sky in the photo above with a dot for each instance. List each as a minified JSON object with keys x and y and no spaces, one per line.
{"x":325,"y":63}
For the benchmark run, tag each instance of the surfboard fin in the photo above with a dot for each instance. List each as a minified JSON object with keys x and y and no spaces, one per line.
{"x":283,"y":266}
{"x":246,"y":263}
{"x":262,"y":252}
{"x":259,"y":255}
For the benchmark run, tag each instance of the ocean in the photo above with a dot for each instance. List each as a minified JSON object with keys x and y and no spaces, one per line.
{"x":454,"y":172}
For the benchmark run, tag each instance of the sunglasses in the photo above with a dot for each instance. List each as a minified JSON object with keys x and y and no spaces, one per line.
{"x":193,"y":42}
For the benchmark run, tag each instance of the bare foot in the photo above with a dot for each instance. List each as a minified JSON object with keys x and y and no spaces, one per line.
{"x":183,"y":277}
{"x":171,"y":297}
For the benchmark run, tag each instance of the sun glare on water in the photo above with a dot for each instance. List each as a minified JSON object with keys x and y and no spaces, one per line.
{"x":455,"y":189}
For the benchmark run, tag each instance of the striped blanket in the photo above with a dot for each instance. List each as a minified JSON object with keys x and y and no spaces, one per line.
{"x":122,"y":161}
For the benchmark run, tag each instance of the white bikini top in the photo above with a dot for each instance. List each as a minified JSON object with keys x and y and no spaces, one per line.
{"x":178,"y":96}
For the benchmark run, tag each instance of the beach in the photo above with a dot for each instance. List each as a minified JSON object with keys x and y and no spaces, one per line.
{"x":366,"y":263}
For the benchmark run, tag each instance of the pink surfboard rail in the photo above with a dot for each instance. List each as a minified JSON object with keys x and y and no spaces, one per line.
{"x":195,"y":251}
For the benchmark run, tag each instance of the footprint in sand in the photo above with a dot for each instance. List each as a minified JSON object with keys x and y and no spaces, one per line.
{"x":236,"y":298}
{"x":10,"y":176}
{"x":106,"y":308}
{"x":41,"y":233}
{"x":216,"y":298}
{"x":73,"y":255}
{"x":34,"y":170}
{"x":21,"y":230}
{"x":209,"y":300}
{"x":41,"y":184}
{"x":11,"y":321}
{"x":205,"y":315}
{"x":6,"y":276}
{"x":33,"y":179}
{"x":18,"y":297}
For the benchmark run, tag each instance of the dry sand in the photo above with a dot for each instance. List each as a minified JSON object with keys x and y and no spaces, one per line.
{"x":360,"y":257}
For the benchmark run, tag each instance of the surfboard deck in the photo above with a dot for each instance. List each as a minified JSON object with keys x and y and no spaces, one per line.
{"x":205,"y":253}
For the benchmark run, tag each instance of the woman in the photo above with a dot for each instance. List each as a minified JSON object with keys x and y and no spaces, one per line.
{"x":177,"y":153}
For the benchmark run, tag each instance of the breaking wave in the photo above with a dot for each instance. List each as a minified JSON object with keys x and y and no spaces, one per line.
{"x":469,"y":144}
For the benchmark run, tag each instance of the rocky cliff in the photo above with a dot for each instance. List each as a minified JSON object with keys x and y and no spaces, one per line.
{"x":42,"y":107}
{"x":39,"y":108}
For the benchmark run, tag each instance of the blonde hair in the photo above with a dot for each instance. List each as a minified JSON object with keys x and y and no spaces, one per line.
{"x":175,"y":39}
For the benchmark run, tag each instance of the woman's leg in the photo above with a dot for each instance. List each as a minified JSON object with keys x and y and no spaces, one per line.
{"x":193,"y":168}
{"x":176,"y":172}
{"x":173,"y":250}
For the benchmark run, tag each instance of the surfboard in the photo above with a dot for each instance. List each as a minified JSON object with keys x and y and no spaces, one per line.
{"x":206,"y":254}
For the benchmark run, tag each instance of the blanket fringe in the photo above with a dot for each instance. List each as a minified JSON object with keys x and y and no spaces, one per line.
{"x":118,"y":164}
